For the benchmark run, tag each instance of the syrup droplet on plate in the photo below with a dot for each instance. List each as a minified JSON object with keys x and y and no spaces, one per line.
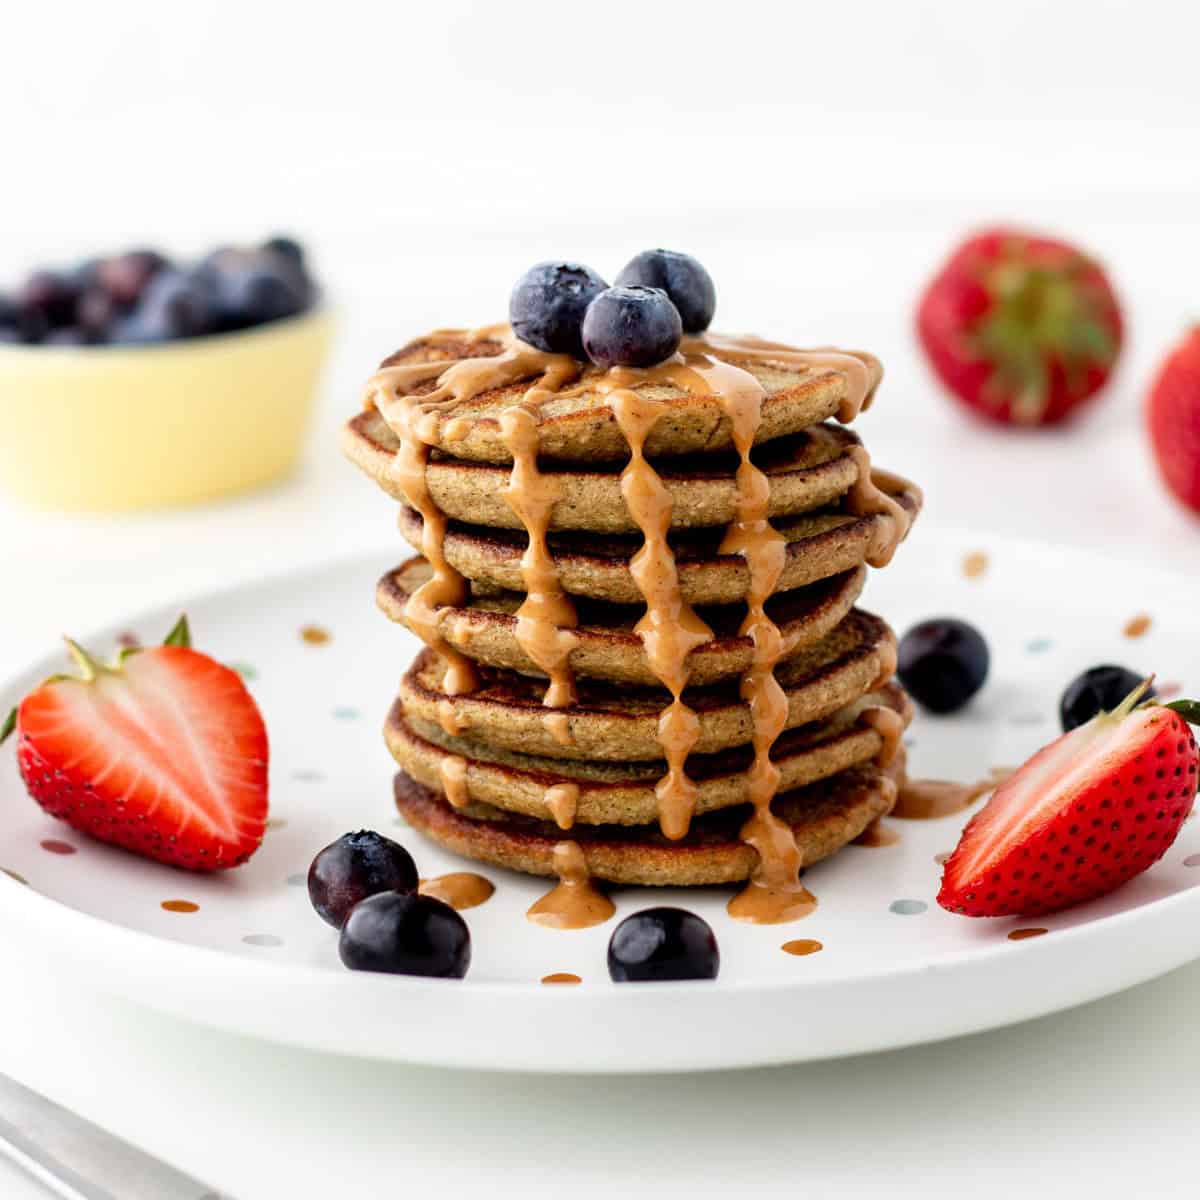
{"x":561,"y":977}
{"x":1138,"y":626}
{"x":1020,"y":935}
{"x":180,"y":906}
{"x":802,"y":946}
{"x":975,"y":564}
{"x":314,"y":635}
{"x":57,"y":847}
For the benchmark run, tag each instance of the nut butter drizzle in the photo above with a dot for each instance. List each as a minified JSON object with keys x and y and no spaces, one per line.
{"x":774,"y":893}
{"x":574,"y":902}
{"x":670,"y":629}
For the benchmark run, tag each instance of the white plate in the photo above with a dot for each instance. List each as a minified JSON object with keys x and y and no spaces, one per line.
{"x":254,"y":958}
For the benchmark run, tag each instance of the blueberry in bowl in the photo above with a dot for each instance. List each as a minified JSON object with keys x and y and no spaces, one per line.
{"x":133,"y":381}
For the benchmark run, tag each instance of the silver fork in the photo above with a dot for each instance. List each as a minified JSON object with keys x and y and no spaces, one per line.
{"x":80,"y":1161}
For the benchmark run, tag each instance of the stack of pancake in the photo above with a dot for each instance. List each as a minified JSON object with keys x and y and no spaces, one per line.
{"x":637,"y":591}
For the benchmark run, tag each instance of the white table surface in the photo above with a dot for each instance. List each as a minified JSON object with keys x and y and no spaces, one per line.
{"x":1096,"y":1101}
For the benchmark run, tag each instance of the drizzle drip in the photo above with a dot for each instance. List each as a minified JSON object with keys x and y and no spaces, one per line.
{"x":563,"y":799}
{"x":867,"y":498}
{"x":453,"y":772}
{"x":546,"y":616}
{"x":450,"y":719}
{"x":559,"y":725}
{"x":574,"y":902}
{"x":670,"y":629}
{"x":890,"y":726}
{"x":460,"y":889}
{"x":928,"y":799}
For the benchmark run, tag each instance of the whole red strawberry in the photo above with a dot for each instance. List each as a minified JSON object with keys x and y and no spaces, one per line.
{"x":1173,"y":412}
{"x":164,"y":753}
{"x":1081,"y":817}
{"x":1021,"y":328}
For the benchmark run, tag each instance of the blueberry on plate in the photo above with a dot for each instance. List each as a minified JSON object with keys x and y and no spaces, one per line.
{"x":1098,"y":689}
{"x":683,"y":279}
{"x":547,"y":306}
{"x":406,"y":934}
{"x":354,"y":867}
{"x":174,"y":305}
{"x":631,"y":327}
{"x":943,"y":663}
{"x":663,"y":944}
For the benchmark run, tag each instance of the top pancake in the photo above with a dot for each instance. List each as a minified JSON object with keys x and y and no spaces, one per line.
{"x":805,"y":471}
{"x":581,"y":426}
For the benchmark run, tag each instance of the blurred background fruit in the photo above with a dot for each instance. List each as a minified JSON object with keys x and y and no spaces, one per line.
{"x":130,"y":381}
{"x":1173,"y":412}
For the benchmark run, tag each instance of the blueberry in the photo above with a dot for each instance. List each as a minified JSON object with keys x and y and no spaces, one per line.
{"x":406,"y":935}
{"x":1098,"y":689}
{"x":96,"y":313}
{"x":683,"y":279}
{"x":288,"y":247}
{"x":19,"y":324}
{"x":47,"y":297}
{"x":631,"y":327}
{"x":68,"y":335}
{"x":547,"y":306}
{"x":252,"y":287}
{"x":174,"y":305}
{"x":663,"y":943}
{"x":943,"y":663}
{"x":126,"y":276}
{"x":357,"y":865}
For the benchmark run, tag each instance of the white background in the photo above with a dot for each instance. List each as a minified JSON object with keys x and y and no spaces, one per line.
{"x":819,"y":159}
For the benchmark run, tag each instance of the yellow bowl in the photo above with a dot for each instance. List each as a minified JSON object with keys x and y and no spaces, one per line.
{"x":103,"y":428}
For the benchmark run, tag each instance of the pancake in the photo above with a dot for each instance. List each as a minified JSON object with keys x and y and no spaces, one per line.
{"x":820,"y":544}
{"x":824,"y":817}
{"x":614,"y":723}
{"x":806,"y":471}
{"x":580,"y":425}
{"x":485,"y":629}
{"x":623,"y":793}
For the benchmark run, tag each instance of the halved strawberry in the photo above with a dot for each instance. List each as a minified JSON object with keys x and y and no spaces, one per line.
{"x":164,"y":752}
{"x":1081,"y":817}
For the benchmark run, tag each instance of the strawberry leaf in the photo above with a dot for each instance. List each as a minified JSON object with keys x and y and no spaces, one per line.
{"x":180,"y":635}
{"x":10,"y":723}
{"x":1189,"y":710}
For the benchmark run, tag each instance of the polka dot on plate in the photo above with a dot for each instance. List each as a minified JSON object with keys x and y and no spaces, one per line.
{"x":262,"y":939}
{"x":57,"y":847}
{"x":346,"y":712}
{"x":297,"y":879}
{"x":1022,"y":935}
{"x":1192,"y":860}
{"x":907,"y":908}
{"x":1038,"y":645}
{"x":314,"y":635}
{"x":180,"y":906}
{"x":561,"y":977}
{"x":308,"y":775}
